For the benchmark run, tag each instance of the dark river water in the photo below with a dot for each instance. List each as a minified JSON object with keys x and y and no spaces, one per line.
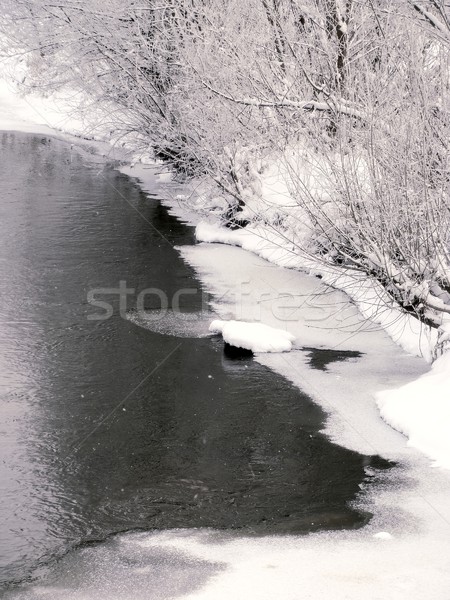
{"x":108,"y":427}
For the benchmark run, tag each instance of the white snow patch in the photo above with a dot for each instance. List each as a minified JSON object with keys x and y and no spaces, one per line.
{"x":383,"y":535}
{"x":35,"y":114}
{"x":338,"y":566}
{"x":256,"y":337}
{"x":55,"y":116}
{"x":370,"y":297}
{"x":421,"y":410}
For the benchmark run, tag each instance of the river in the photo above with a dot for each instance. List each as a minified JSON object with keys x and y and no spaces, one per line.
{"x":109,"y":427}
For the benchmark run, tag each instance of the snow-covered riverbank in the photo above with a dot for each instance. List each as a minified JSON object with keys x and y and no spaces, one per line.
{"x":420,"y":410}
{"x":319,"y":315}
{"x":411,"y":516}
{"x":411,"y":559}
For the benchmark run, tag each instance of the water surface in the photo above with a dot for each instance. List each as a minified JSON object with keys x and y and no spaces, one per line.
{"x":107,"y":426}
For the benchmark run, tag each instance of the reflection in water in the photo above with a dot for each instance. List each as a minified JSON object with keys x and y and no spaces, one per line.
{"x":107,"y":426}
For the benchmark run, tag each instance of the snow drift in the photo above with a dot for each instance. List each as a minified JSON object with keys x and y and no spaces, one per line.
{"x":256,"y":337}
{"x":421,"y":411}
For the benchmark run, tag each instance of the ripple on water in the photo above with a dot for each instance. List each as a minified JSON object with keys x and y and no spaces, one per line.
{"x":174,"y":323}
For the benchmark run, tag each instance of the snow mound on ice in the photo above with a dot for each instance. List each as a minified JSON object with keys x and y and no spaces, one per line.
{"x":256,"y":337}
{"x":421,"y":411}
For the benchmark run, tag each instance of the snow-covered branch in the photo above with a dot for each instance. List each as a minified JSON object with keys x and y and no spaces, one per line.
{"x":331,"y":105}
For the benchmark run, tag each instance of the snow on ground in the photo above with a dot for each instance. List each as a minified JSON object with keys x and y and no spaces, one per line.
{"x":54,"y":116}
{"x":337,"y":566}
{"x":34,"y":114}
{"x":412,"y":562}
{"x":421,"y":410}
{"x":256,"y":337}
{"x":285,"y":297}
{"x":370,"y":298}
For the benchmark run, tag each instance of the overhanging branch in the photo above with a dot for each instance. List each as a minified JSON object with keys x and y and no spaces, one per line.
{"x":331,"y":106}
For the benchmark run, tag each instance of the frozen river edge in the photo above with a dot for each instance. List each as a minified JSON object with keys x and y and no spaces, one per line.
{"x":413,"y":560}
{"x":411,"y":512}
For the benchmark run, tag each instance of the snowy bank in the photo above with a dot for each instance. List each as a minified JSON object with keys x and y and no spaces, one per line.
{"x":368,"y":295}
{"x":256,"y":337}
{"x":421,"y":411}
{"x":55,"y":116}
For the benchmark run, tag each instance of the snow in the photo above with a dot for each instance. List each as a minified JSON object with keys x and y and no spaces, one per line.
{"x":34,"y":114}
{"x":205,"y":565}
{"x":371,"y":299}
{"x":54,"y":116}
{"x":256,"y":337}
{"x":318,"y":567}
{"x":383,"y":535}
{"x":421,"y":411}
{"x":411,"y":513}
